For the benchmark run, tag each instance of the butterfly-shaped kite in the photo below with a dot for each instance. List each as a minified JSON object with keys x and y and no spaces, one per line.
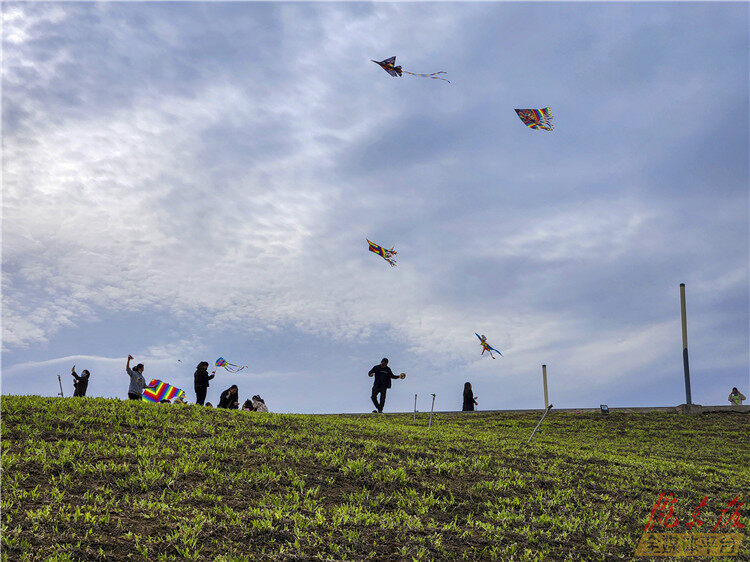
{"x":389,"y":65}
{"x":487,"y":347}
{"x":536,"y":118}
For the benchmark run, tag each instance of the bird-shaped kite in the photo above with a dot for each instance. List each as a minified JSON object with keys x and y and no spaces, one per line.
{"x":387,"y":255}
{"x":487,"y":347}
{"x":389,"y":65}
{"x":536,"y":118}
{"x":231,"y":367}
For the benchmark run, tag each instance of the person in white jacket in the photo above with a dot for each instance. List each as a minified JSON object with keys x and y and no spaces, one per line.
{"x":736,"y":397}
{"x":259,"y":404}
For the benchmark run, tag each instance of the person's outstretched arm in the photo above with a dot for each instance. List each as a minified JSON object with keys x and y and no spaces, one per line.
{"x":73,"y":372}
{"x":127,"y":365}
{"x":391,"y":374}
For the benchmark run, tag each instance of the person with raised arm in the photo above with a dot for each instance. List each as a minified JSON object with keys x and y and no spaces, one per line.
{"x":81,"y":383}
{"x":137,"y":382}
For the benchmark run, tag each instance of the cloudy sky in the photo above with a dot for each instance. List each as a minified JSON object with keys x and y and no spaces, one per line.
{"x":183,"y":181}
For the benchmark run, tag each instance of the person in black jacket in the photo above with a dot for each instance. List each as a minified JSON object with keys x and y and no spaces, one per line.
{"x":80,"y":384}
{"x":201,"y":382}
{"x":229,"y":398}
{"x":383,"y":376}
{"x":469,"y":400}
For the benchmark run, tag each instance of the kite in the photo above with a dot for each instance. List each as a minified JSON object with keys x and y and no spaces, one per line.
{"x":536,"y":118}
{"x":486,"y":346}
{"x":231,"y":367}
{"x":157,"y":390}
{"x":389,"y":66}
{"x":387,"y":255}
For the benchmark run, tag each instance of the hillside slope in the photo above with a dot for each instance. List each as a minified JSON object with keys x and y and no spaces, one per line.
{"x":110,"y":480}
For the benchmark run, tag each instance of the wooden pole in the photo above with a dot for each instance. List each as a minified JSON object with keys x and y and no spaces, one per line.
{"x":415,"y":407}
{"x":61,"y":390}
{"x":685,"y":363}
{"x":544,"y":379}
{"x":431,"y":410}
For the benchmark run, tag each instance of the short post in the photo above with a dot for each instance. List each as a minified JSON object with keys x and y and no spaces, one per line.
{"x":59,"y":380}
{"x":544,"y":380}
{"x":685,"y":364}
{"x":415,"y":407}
{"x":431,"y":410}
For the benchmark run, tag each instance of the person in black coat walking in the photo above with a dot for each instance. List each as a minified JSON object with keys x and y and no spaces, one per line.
{"x":201,"y":382}
{"x":81,"y":383}
{"x":469,"y":400}
{"x":383,"y":376}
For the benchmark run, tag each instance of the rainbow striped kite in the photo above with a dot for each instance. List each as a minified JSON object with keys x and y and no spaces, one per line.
{"x":159,"y":390}
{"x":387,"y":255}
{"x":536,"y":118}
{"x":231,"y":367}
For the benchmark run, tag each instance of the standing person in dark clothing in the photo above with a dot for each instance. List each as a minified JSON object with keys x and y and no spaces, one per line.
{"x":201,"y":382}
{"x":137,"y":382}
{"x":383,"y":376}
{"x":80,"y":383}
{"x":229,"y":398}
{"x":469,"y":400}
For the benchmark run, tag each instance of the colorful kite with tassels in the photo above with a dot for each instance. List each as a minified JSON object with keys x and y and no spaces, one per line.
{"x":387,"y":255}
{"x":231,"y":367}
{"x":389,"y":65}
{"x":157,"y":390}
{"x":536,"y":118}
{"x":487,"y":347}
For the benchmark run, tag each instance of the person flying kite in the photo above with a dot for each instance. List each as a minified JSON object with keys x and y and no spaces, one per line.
{"x":487,"y":347}
{"x":231,"y":367}
{"x":536,"y":118}
{"x":389,"y":65}
{"x":387,"y":255}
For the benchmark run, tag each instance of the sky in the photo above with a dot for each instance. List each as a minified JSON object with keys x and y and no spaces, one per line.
{"x":183,"y":181}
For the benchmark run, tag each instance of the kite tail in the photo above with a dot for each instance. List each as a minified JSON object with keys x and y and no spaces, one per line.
{"x":431,"y":75}
{"x":389,"y":256}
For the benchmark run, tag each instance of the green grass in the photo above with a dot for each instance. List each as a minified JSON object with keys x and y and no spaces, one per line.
{"x":86,"y":479}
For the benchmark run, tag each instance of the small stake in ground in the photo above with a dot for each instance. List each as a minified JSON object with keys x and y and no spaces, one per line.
{"x":544,"y":380}
{"x":431,"y":410}
{"x":415,"y":407}
{"x":540,"y":422}
{"x":61,"y":390}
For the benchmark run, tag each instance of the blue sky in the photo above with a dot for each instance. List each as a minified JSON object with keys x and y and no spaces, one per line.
{"x":183,"y":181}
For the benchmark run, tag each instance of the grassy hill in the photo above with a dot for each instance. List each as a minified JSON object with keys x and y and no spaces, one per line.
{"x":110,"y":480}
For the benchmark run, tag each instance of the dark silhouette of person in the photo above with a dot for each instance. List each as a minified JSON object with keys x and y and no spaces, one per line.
{"x":383,"y":376}
{"x":201,"y":382}
{"x":469,"y":400}
{"x":81,"y":383}
{"x":229,"y":398}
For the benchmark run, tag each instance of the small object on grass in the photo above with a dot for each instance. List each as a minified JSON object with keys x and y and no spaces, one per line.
{"x":540,"y":422}
{"x":604,"y":408}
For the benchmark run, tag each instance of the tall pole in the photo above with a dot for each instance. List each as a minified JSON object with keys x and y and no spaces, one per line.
{"x":685,"y":363}
{"x":59,"y":380}
{"x":415,"y":407}
{"x":431,"y":409}
{"x":544,"y":379}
